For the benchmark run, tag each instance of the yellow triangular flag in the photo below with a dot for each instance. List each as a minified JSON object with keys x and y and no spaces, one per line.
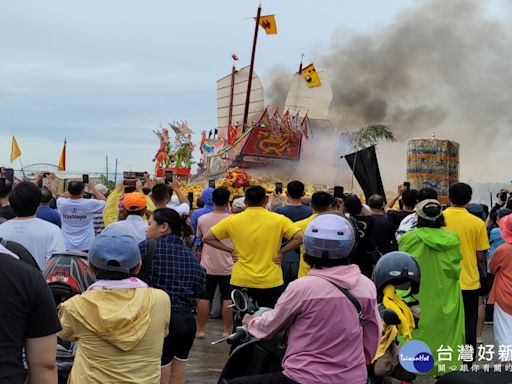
{"x":62,"y":159}
{"x":15,"y":150}
{"x":311,"y":76}
{"x":268,"y":23}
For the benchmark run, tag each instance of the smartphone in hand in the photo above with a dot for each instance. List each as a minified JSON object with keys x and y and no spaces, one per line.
{"x":85,"y":179}
{"x":339,"y":191}
{"x":279,"y":188}
{"x":9,"y":174}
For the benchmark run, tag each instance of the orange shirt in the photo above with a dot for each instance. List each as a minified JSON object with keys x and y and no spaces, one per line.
{"x":501,"y":266}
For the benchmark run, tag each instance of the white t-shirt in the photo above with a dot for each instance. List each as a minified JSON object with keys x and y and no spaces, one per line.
{"x":182,"y":209}
{"x":41,"y":238}
{"x":409,"y":223}
{"x":77,"y":221}
{"x":134,"y":226}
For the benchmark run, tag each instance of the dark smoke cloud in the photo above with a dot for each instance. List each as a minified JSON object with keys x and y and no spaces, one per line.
{"x":279,"y":77}
{"x":443,"y":67}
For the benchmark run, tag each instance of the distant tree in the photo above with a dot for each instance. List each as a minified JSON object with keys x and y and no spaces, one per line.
{"x":370,"y":135}
{"x":366,"y":137}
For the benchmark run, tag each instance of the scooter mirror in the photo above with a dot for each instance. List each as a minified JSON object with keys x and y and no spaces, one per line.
{"x":239,"y":299}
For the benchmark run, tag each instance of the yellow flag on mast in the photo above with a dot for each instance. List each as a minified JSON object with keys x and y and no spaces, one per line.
{"x":268,"y":23}
{"x":15,"y":150}
{"x":311,"y":76}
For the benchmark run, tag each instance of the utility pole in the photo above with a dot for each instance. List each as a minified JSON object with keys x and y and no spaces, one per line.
{"x":115,"y":176}
{"x":106,"y":168}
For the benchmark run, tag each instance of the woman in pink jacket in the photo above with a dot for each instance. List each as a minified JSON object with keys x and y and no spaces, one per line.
{"x":331,"y":314}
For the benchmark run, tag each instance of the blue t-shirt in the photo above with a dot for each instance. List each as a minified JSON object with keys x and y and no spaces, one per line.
{"x":294,"y":213}
{"x":48,"y":214}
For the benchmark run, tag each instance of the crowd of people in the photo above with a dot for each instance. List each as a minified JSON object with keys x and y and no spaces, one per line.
{"x":159,"y":261}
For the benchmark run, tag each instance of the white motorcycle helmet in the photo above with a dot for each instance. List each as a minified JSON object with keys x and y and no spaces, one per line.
{"x":329,"y":236}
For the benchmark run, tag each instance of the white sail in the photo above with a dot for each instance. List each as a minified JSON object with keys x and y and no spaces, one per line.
{"x":314,"y":101}
{"x":256,"y":105}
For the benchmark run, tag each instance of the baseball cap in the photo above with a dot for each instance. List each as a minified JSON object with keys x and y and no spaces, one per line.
{"x":429,"y":209}
{"x":134,"y":201}
{"x":114,"y":251}
{"x":503,"y":212}
{"x":477,"y":210}
{"x":101,"y":188}
{"x":238,"y":205}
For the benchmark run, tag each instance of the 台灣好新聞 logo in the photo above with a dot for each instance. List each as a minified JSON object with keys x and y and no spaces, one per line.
{"x":415,"y":357}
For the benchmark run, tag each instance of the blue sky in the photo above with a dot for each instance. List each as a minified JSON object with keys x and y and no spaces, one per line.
{"x":103,"y":74}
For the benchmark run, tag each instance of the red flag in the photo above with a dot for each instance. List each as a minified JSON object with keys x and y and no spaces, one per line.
{"x":232,"y":134}
{"x":285,"y":122}
{"x":275,"y":121}
{"x":62,"y":159}
{"x":304,"y":125}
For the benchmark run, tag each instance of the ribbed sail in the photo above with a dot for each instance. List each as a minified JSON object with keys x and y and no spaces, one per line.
{"x":240,"y":90}
{"x":303,"y":100}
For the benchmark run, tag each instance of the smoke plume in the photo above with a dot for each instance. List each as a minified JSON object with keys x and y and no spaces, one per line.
{"x":441,"y":67}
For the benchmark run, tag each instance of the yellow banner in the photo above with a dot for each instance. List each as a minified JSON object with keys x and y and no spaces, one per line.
{"x":268,"y":23}
{"x":311,"y":76}
{"x":62,"y":159}
{"x":15,"y":150}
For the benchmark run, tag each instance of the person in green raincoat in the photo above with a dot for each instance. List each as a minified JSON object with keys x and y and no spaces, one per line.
{"x":437,"y":251}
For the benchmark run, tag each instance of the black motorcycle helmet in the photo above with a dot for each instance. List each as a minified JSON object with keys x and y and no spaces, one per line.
{"x":68,"y":274}
{"x":397,"y":268}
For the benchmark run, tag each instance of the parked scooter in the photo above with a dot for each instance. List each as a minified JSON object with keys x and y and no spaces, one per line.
{"x":250,"y":357}
{"x":256,"y":357}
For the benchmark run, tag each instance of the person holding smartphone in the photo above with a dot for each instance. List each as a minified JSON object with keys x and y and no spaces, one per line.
{"x":77,"y":213}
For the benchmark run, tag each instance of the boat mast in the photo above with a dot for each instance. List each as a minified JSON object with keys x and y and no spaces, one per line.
{"x":230,"y":118}
{"x":251,"y":69}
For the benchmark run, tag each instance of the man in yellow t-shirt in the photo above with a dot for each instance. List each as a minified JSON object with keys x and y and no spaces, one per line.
{"x":256,"y":236}
{"x":473,"y":242}
{"x":320,"y":203}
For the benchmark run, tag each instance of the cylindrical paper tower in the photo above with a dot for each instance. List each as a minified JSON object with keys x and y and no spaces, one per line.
{"x":433,"y":163}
